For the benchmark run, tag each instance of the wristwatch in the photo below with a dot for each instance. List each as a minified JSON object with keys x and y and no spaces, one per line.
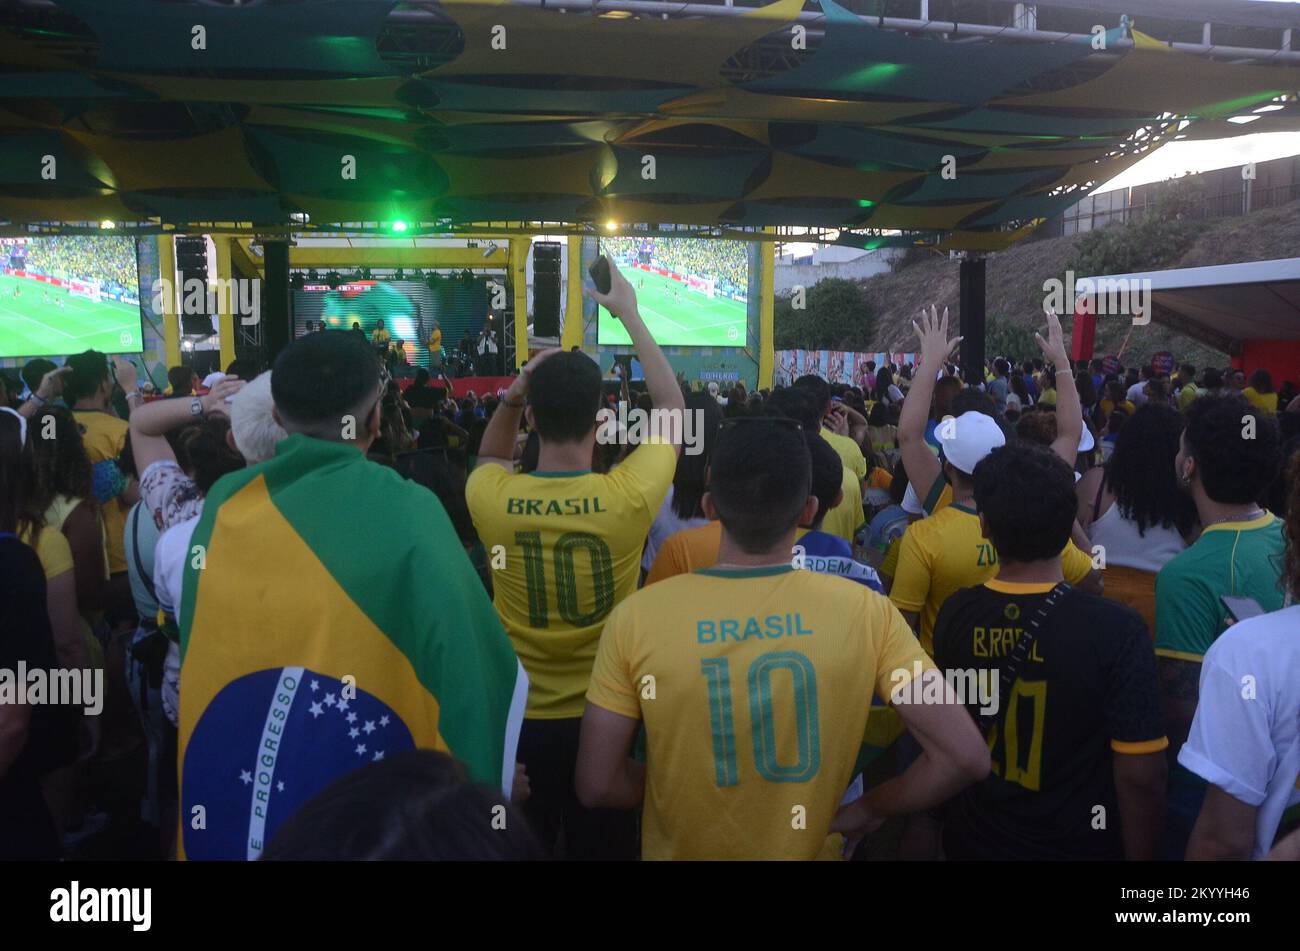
{"x":196,"y":407}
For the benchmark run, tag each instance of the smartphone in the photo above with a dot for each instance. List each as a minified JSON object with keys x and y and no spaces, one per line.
{"x":600,"y":275}
{"x":1241,"y":608}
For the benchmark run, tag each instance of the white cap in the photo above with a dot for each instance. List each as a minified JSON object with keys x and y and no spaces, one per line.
{"x":255,"y":430}
{"x":968,"y":439}
{"x":713,"y":388}
{"x":1086,"y":442}
{"x":212,"y":379}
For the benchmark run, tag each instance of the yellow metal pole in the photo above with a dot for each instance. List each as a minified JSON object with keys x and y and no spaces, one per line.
{"x":225,"y":316}
{"x":572,"y":336}
{"x":766,"y":312}
{"x":519,"y":278}
{"x":171,"y":323}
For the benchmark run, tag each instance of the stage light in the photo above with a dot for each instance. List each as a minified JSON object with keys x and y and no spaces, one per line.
{"x":296,"y":281}
{"x":611,"y":225}
{"x":490,"y":250}
{"x":399,"y":226}
{"x":108,"y":225}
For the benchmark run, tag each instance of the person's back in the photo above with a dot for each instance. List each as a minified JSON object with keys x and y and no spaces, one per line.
{"x":788,"y":657}
{"x":1063,"y":720}
{"x":784,"y":661}
{"x":1082,"y":707}
{"x":571,"y":540}
{"x":329,"y":618}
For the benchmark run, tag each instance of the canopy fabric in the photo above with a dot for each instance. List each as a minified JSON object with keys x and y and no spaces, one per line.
{"x":527,"y":114}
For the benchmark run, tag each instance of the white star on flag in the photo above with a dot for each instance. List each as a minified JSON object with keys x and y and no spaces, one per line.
{"x":315,"y":710}
{"x":329,"y":699}
{"x":353,"y":733}
{"x":245,"y":777}
{"x":369,"y":727}
{"x":383,"y":721}
{"x":279,"y":787}
{"x":361,"y":749}
{"x":351,"y":717}
{"x":315,"y":685}
{"x":379,"y":754}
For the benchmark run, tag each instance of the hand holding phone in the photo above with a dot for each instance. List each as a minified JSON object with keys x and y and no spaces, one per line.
{"x":600,"y":275}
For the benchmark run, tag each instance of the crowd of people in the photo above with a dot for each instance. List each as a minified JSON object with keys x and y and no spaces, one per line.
{"x":1047,"y":614}
{"x":726,"y":262}
{"x":110,"y":264}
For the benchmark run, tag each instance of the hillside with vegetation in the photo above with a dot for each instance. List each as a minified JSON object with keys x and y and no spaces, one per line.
{"x":1168,"y":238}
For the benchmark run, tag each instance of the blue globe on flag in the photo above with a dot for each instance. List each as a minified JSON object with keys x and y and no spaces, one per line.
{"x":267,"y":743}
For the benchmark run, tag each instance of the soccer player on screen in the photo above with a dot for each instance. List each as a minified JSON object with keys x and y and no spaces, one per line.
{"x":572,"y":541}
{"x":754,"y":681}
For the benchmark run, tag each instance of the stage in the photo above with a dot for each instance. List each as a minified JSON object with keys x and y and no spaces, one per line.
{"x":460,"y":386}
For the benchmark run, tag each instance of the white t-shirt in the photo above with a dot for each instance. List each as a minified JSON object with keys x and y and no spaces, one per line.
{"x":169,"y":557}
{"x":1137,"y":393}
{"x":1245,"y":738}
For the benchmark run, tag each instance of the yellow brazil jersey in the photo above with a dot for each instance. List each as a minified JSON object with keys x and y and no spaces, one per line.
{"x":847,"y":517}
{"x":572,"y":544}
{"x":104,"y":435}
{"x":849,"y":451}
{"x":946,"y":552}
{"x":762,"y":679}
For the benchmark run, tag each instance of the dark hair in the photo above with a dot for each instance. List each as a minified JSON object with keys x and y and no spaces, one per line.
{"x":1291,"y":574}
{"x":1262,"y":381}
{"x":1141,"y":473}
{"x":528,"y":459}
{"x":689,"y":479}
{"x":820,"y":389}
{"x":245,"y":368}
{"x":1234,"y":470}
{"x":181,"y":380}
{"x":971,"y":399}
{"x":564,"y":393}
{"x":421,"y":376}
{"x":1087,"y":390}
{"x":61,"y":465}
{"x":1212,"y":378}
{"x":759,"y":481}
{"x":434,"y":469}
{"x":884,"y":379}
{"x":799,"y":404}
{"x":413,"y":806}
{"x":827,"y":475}
{"x":208,"y":452}
{"x":879,"y":415}
{"x":20,"y":509}
{"x":1001,"y":367}
{"x":35,"y":371}
{"x":1037,"y":427}
{"x":1025,"y":493}
{"x":322,"y":377}
{"x":89,"y":370}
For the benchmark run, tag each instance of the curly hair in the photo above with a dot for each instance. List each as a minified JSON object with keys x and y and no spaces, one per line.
{"x":1291,"y":573}
{"x":1141,"y":470}
{"x":62,"y":466}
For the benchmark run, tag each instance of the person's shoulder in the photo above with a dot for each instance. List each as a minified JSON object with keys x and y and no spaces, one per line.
{"x":1101,"y":614}
{"x":1266,"y":637}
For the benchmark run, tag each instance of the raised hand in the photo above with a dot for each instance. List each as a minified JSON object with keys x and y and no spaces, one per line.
{"x":621,"y":299}
{"x":932,"y":333}
{"x":1054,"y":346}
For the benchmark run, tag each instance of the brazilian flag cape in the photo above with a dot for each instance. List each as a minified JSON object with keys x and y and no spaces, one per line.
{"x":329,"y":618}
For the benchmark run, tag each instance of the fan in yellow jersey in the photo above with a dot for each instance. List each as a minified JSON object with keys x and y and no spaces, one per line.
{"x":572,"y":541}
{"x":754,"y":680}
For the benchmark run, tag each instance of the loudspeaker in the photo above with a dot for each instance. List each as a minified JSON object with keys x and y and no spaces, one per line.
{"x":546,"y":289}
{"x":191,"y":265}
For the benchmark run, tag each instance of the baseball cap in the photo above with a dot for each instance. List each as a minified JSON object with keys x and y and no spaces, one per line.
{"x":968,"y":439}
{"x":212,"y":379}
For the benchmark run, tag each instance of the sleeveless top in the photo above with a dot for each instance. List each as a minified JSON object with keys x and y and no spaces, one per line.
{"x":1125,"y":547}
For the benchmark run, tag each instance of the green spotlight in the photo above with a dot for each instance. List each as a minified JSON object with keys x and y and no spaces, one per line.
{"x":399,"y":226}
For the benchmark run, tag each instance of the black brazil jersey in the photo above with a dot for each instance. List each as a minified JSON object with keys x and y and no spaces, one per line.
{"x":1086,"y":690}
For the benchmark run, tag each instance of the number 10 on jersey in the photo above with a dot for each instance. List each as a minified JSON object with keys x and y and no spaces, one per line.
{"x":762,"y":718}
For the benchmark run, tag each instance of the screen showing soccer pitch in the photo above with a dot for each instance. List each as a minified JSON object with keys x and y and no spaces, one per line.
{"x":70,"y":293}
{"x":691,"y":292}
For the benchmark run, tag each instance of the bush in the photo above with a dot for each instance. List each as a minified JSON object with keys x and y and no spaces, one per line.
{"x":836,"y":316}
{"x":1156,"y":240}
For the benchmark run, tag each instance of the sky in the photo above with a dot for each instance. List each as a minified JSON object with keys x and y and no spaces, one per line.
{"x":1178,"y":158}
